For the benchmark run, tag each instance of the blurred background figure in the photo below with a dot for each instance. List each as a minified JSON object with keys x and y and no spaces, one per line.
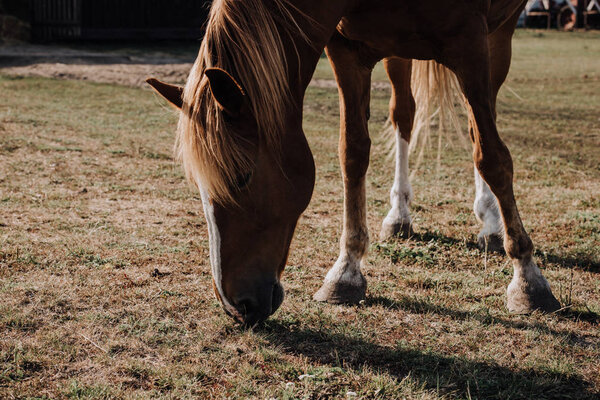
{"x":561,"y":14}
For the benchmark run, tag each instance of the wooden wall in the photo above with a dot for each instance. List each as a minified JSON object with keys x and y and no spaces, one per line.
{"x":118,"y":19}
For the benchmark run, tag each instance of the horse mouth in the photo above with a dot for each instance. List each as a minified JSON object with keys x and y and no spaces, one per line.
{"x":250,"y":312}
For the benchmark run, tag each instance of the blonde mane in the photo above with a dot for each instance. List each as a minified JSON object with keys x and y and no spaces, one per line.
{"x":243,"y":37}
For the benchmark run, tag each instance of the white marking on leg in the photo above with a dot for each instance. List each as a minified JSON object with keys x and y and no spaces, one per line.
{"x":401,"y":193}
{"x":346,"y":270}
{"x":354,"y":240}
{"x":214,"y":238}
{"x":486,"y":209}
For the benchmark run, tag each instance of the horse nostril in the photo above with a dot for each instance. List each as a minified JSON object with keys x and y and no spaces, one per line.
{"x":253,"y":309}
{"x":249,"y":312}
{"x":246,"y":307}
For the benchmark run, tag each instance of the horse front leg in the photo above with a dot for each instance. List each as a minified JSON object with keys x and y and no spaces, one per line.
{"x":402,"y":114}
{"x":528,"y":289}
{"x":345,"y":282}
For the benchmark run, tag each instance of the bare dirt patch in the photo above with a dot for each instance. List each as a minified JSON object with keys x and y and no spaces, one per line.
{"x":104,"y":67}
{"x":121,"y":74}
{"x":65,"y":63}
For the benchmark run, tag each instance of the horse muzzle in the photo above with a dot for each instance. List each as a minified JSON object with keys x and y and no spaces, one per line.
{"x":253,"y":308}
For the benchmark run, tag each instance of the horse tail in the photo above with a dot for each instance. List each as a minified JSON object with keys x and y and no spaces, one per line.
{"x":437,"y":94}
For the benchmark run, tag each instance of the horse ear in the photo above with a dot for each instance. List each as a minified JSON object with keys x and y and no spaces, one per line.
{"x":173,"y":94}
{"x":225,"y":89}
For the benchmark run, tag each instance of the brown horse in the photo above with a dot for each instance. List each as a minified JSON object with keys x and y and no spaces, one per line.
{"x":241,"y":142}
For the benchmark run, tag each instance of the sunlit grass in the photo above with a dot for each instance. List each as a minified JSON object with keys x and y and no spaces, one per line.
{"x":105,"y":287}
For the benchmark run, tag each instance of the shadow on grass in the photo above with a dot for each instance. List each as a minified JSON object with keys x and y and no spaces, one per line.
{"x":417,"y":306}
{"x":453,"y":376}
{"x":582,"y":262}
{"x":576,"y":315}
{"x":438,"y":237}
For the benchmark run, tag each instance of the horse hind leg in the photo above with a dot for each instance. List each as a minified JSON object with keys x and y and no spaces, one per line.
{"x":402,"y":113}
{"x":345,"y":282}
{"x":528,"y":290}
{"x":486,"y":206}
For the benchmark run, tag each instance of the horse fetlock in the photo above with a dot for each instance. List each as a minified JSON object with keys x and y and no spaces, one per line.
{"x":529,"y":290}
{"x":519,"y":247}
{"x":401,"y":194}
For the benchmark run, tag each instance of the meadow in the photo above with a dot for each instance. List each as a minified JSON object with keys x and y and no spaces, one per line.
{"x":105,"y":285}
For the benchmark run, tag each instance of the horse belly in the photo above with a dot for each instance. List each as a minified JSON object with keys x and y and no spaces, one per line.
{"x":419,"y":29}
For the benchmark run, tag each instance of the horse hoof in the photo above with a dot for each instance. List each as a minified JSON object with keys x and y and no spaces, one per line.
{"x":524,"y":298}
{"x":397,"y":229}
{"x":493,"y":243}
{"x":342,"y":292}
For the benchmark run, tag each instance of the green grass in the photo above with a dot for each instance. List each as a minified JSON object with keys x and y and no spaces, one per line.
{"x":92,"y":205}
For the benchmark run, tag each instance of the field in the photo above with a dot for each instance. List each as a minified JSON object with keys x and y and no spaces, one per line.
{"x":105,"y":286}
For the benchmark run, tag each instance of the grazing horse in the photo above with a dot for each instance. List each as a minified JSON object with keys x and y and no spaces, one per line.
{"x":240,"y":135}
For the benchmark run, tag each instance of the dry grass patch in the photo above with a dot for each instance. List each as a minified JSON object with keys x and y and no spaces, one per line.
{"x":105,"y":287}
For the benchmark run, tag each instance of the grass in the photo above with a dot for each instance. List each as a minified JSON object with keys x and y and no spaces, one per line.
{"x":105,"y":288}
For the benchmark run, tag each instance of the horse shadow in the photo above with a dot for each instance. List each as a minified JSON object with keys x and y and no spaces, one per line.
{"x":417,"y":306}
{"x":449,"y":375}
{"x":440,"y":238}
{"x":582,"y":262}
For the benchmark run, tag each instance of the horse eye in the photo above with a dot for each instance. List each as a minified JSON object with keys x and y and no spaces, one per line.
{"x":242,"y":181}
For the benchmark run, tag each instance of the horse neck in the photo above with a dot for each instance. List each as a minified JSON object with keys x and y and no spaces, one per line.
{"x":303,"y":55}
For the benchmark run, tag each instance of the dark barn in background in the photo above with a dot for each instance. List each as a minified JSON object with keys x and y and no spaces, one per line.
{"x":117,"y":19}
{"x":161,"y":19}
